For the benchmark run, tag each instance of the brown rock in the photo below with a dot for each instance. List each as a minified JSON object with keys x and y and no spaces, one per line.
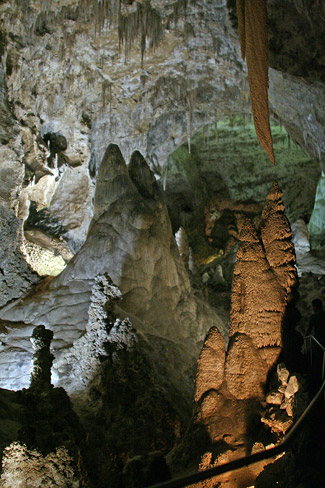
{"x":223,"y":417}
{"x":292,"y":388}
{"x":245,"y":370}
{"x":274,"y":398}
{"x":210,"y":365}
{"x":276,"y":236}
{"x":283,"y":374}
{"x":257,"y":303}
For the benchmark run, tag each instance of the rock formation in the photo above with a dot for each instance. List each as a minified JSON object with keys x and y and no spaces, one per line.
{"x":276,"y":236}
{"x":150,"y":76}
{"x":21,"y":466}
{"x":42,"y":359}
{"x":15,"y":274}
{"x":230,"y":387}
{"x":130,"y":238}
{"x":252,"y":23}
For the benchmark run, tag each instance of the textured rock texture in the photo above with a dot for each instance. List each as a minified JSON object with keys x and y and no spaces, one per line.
{"x":230,"y":387}
{"x":223,"y":156}
{"x":23,"y":467}
{"x":15,"y":275}
{"x":70,"y":111}
{"x":181,"y":72}
{"x":277,"y":240}
{"x":252,"y":24}
{"x":130,"y":239}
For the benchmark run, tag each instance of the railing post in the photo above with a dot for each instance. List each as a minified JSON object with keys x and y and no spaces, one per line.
{"x":323,"y":374}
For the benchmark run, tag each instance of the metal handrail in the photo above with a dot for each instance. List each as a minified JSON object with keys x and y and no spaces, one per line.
{"x":253,"y":458}
{"x":308,"y":340}
{"x":311,"y":337}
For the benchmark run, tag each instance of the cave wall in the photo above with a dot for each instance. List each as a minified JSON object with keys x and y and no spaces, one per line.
{"x":149,"y":97}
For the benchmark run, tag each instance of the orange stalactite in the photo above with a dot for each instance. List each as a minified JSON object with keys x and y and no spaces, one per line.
{"x":254,"y":46}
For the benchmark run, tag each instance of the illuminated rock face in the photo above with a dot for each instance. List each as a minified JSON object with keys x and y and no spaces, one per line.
{"x":24,"y":467}
{"x":263,"y":276}
{"x":130,"y":238}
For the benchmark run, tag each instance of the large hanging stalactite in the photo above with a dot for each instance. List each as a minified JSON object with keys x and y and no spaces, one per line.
{"x":254,"y":46}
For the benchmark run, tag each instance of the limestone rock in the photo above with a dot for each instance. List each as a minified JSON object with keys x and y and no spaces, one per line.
{"x":210,"y":365}
{"x":245,"y":370}
{"x":223,"y":417}
{"x":24,"y":467}
{"x":183,"y":246}
{"x":279,"y":423}
{"x":15,"y":275}
{"x":316,"y":223}
{"x":300,"y":236}
{"x":40,"y":193}
{"x":274,"y":398}
{"x":81,"y":362}
{"x":251,"y":312}
{"x":71,"y":205}
{"x":282,"y":374}
{"x":276,"y":236}
{"x":292,"y":388}
{"x":131,"y":239}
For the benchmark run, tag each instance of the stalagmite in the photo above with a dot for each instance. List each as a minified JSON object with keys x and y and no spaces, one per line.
{"x":276,"y":236}
{"x":42,"y":359}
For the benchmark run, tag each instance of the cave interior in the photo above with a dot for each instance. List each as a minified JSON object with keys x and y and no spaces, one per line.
{"x":162,"y":241}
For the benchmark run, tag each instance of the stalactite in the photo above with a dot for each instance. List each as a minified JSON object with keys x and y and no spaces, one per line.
{"x":106,"y":90}
{"x":145,"y":23}
{"x":254,"y":46}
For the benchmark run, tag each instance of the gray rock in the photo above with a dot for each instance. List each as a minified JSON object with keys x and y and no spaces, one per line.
{"x":131,"y":239}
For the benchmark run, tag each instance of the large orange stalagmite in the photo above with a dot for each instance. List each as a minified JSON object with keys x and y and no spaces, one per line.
{"x":254,"y":46}
{"x":230,"y":386}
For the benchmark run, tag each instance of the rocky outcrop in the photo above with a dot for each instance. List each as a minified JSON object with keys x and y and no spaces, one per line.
{"x":130,"y":239}
{"x":15,"y":275}
{"x":67,"y":112}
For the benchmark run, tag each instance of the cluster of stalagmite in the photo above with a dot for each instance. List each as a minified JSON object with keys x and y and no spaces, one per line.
{"x":234,"y":382}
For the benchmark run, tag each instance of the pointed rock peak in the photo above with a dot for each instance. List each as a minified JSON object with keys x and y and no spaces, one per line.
{"x":248,"y":232}
{"x":275,"y":192}
{"x":142,"y":176}
{"x":112,"y":163}
{"x":113,"y":181}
